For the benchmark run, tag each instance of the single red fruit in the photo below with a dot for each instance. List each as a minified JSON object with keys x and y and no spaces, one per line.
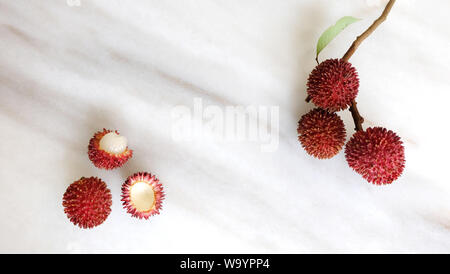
{"x":333,"y":84}
{"x":108,"y":150}
{"x":87,"y":202}
{"x":322,"y":134}
{"x":142,"y":195}
{"x":377,"y":154}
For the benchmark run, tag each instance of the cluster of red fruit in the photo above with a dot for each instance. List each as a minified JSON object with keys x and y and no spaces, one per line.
{"x":87,"y":202}
{"x":375,"y":153}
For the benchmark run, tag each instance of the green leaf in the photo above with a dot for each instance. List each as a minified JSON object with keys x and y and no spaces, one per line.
{"x":329,"y":34}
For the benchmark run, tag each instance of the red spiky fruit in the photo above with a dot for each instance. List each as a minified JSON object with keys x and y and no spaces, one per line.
{"x":142,"y":195}
{"x":87,"y":202}
{"x":377,"y":154}
{"x":322,"y":134}
{"x":333,"y":84}
{"x":108,"y":150}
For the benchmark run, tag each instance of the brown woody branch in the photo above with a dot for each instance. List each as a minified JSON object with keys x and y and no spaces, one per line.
{"x":353,"y":109}
{"x":369,"y":31}
{"x":357,"y":119}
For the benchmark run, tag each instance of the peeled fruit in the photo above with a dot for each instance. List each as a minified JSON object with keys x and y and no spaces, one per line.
{"x":142,"y":195}
{"x":108,"y":150}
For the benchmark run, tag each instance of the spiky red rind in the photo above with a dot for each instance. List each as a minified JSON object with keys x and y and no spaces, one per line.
{"x":87,"y":202}
{"x":322,"y":134}
{"x":104,"y":159}
{"x":377,"y":154}
{"x":333,"y":84}
{"x":157,"y":189}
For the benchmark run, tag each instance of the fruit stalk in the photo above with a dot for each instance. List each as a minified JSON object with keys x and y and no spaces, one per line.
{"x":369,"y":31}
{"x":357,"y":119}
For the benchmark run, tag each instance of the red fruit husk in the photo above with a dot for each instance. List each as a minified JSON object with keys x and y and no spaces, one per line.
{"x":157,"y":189}
{"x":377,"y":154}
{"x":322,"y":134}
{"x":104,"y":159}
{"x":87,"y":202}
{"x":333,"y":84}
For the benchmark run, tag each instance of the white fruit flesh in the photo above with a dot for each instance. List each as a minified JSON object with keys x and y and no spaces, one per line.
{"x":113,"y":143}
{"x":142,"y":196}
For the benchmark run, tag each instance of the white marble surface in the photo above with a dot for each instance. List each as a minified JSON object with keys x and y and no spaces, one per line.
{"x":67,"y":71}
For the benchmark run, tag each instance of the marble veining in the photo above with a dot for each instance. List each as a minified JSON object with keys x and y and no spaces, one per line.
{"x":70,"y":68}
